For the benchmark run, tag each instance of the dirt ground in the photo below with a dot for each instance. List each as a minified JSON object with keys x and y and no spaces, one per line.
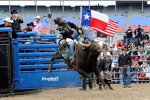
{"x":137,"y":92}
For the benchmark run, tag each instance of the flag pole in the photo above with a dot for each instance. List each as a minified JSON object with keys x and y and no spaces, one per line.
{"x":80,"y":14}
{"x":110,"y":40}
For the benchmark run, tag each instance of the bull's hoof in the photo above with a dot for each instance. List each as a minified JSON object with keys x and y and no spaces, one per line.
{"x":111,"y":88}
{"x":83,"y":89}
{"x":100,"y":87}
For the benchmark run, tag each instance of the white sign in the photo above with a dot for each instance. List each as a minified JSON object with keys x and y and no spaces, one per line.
{"x":50,"y":78}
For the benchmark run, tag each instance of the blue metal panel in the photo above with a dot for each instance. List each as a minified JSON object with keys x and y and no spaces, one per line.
{"x":26,"y":33}
{"x":41,"y":66}
{"x":36,"y":46}
{"x":37,"y":54}
{"x":30,"y":65}
{"x":6,"y":29}
{"x":41,"y":79}
{"x":48,"y":35}
{"x":39,"y":60}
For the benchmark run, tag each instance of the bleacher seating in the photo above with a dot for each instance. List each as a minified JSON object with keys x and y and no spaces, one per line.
{"x":146,"y":28}
{"x":120,"y":29}
{"x":28,"y":20}
{"x":1,"y":20}
{"x":120,"y":19}
{"x":140,"y":20}
{"x":73,"y":15}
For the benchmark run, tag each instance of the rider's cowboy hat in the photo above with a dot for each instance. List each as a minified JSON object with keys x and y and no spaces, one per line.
{"x":57,"y":20}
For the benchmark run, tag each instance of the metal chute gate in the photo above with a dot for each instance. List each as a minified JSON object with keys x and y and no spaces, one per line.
{"x":31,"y":59}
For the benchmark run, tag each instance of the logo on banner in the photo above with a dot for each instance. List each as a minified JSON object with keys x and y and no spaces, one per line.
{"x":50,"y":78}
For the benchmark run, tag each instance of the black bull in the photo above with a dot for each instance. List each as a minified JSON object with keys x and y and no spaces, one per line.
{"x":85,"y":62}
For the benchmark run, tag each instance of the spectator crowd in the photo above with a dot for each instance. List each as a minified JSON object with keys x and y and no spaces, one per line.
{"x":136,"y":42}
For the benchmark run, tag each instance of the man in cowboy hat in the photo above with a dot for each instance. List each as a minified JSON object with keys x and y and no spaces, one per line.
{"x":7,"y":23}
{"x":17,"y":20}
{"x":29,"y":27}
{"x":38,"y":26}
{"x":105,"y":69}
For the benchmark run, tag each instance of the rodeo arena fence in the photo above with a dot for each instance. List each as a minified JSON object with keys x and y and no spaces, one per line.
{"x":25,"y":60}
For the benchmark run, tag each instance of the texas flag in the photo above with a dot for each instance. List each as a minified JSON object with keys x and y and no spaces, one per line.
{"x":98,"y":21}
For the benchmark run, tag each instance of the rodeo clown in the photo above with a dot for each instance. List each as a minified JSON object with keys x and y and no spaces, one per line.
{"x":70,"y":31}
{"x":105,"y":69}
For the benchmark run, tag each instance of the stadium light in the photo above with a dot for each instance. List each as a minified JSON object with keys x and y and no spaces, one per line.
{"x":76,"y":3}
{"x":4,"y":2}
{"x":22,"y":3}
{"x":148,"y":2}
{"x":102,"y":3}
{"x":71,"y":3}
{"x":48,"y":3}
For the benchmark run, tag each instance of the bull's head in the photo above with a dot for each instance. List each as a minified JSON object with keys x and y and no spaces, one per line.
{"x":95,"y":47}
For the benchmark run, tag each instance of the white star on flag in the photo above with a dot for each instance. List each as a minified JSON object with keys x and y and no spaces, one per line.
{"x":86,"y":16}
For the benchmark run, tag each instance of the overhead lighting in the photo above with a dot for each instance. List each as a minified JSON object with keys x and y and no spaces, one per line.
{"x":148,"y":2}
{"x":4,"y":2}
{"x":76,"y":3}
{"x":102,"y":3}
{"x":22,"y":3}
{"x":48,"y":3}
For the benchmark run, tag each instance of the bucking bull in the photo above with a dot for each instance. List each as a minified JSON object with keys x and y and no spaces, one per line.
{"x":84,"y":62}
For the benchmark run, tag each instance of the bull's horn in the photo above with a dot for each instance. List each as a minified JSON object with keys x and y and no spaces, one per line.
{"x":83,"y":44}
{"x":75,"y":41}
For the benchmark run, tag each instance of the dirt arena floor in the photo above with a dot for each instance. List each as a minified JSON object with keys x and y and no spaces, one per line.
{"x":137,"y":92}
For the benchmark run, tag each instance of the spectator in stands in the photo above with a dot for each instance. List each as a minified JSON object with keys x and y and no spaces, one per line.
{"x":135,"y":66}
{"x":115,"y":64}
{"x":142,"y":76}
{"x":147,"y":70}
{"x":145,"y":39}
{"x":93,"y":32}
{"x":124,"y":63}
{"x":145,"y":36}
{"x":131,"y":46}
{"x":17,"y":20}
{"x":135,"y":78}
{"x":105,"y":69}
{"x":7,"y":23}
{"x":145,"y":64}
{"x":38,"y":26}
{"x":138,"y":35}
{"x":120,"y":44}
{"x":147,"y":46}
{"x":105,"y":46}
{"x":128,"y":36}
{"x":29,"y":27}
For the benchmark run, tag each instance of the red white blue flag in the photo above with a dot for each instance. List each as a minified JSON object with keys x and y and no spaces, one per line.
{"x":98,"y":21}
